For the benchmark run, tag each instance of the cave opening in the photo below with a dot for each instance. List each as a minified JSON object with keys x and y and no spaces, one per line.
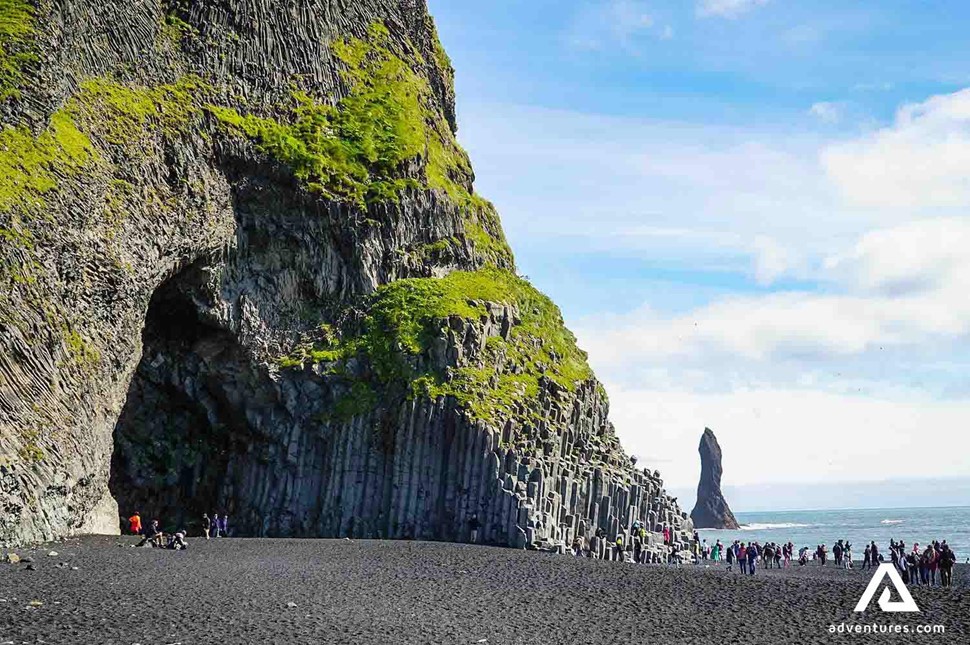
{"x":174,"y":435}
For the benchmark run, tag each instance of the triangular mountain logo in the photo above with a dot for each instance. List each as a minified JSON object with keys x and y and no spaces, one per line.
{"x":906,"y":602}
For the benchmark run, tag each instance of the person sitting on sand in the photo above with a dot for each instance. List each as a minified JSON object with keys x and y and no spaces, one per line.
{"x":176,"y":542}
{"x":153,"y":535}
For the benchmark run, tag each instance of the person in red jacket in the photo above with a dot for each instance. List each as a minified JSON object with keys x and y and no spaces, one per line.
{"x":134,"y":523}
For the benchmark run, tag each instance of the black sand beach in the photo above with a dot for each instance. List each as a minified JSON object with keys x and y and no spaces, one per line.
{"x":341,"y":591}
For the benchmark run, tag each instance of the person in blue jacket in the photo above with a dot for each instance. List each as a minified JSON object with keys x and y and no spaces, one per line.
{"x":752,"y":553}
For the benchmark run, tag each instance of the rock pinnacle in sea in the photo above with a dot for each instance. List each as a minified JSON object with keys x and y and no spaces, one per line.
{"x":711,"y":510}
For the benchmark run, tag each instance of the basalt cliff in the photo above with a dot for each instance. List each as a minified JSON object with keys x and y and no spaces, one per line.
{"x":243,"y":269}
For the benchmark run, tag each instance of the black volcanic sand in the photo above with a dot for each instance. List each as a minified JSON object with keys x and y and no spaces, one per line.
{"x":238,"y":591}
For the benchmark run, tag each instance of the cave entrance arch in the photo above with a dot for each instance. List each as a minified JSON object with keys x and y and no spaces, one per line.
{"x":178,"y":428}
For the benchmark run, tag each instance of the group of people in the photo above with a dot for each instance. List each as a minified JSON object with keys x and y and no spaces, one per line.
{"x":749,"y":556}
{"x":931,"y":565}
{"x":601,"y":547}
{"x":152,"y":535}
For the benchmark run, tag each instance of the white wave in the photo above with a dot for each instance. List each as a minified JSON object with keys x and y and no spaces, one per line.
{"x":767,"y":526}
{"x":892,"y":521}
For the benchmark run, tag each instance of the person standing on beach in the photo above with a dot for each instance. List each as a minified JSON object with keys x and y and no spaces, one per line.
{"x":947,"y":560}
{"x":473,"y":526}
{"x":224,"y":525}
{"x":134,"y":523}
{"x":752,"y":558}
{"x":730,"y":555}
{"x":206,"y":525}
{"x":215,"y":525}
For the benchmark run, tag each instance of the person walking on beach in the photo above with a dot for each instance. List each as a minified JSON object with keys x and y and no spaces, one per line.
{"x":473,"y":526}
{"x":867,"y":558}
{"x":742,"y":559}
{"x":134,"y":523}
{"x":730,"y":554}
{"x":752,"y":558}
{"x":206,"y":525}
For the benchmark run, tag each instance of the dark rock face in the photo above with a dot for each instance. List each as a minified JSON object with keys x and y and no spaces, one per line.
{"x":711,"y":510}
{"x":195,"y":313}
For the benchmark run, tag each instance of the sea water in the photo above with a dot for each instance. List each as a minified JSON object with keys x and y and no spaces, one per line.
{"x":859,"y":527}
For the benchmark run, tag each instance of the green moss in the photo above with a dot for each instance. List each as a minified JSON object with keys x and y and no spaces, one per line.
{"x":174,"y":29}
{"x":361,"y":399}
{"x":117,"y":113}
{"x":31,"y":167}
{"x":80,"y":350}
{"x":404,"y":317}
{"x":17,"y":47}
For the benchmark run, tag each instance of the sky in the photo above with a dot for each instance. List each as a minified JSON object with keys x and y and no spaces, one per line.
{"x":754,"y":214}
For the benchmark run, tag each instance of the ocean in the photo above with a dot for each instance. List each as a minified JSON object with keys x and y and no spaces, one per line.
{"x":859,"y":527}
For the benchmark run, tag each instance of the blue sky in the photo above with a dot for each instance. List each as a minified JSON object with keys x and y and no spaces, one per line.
{"x":754,"y":214}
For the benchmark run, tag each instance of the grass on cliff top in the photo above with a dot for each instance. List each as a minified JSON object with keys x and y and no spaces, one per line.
{"x":405,"y":317}
{"x":17,"y":49}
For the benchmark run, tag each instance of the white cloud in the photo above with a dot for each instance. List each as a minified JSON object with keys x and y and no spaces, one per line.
{"x":727,"y":8}
{"x":901,"y":287}
{"x":827,"y":111}
{"x":775,"y":434}
{"x":918,"y":164}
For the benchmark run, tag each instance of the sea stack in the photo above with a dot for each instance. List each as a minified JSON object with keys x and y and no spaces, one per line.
{"x":711,"y":510}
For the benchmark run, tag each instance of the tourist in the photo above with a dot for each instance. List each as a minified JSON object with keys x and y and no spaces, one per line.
{"x":752,"y":558}
{"x":803,"y":556}
{"x":731,"y":550}
{"x":215,"y":525}
{"x":637,"y":545}
{"x":618,"y":548}
{"x":177,"y":541}
{"x":224,"y":525}
{"x":867,"y":558}
{"x":947,"y":560}
{"x":874,"y":557}
{"x":206,"y":525}
{"x":153,"y":535}
{"x":716,"y":551}
{"x":134,"y":523}
{"x":473,"y":526}
{"x":932,"y":564}
{"x":666,"y":533}
{"x":837,"y":553}
{"x":912,"y":567}
{"x":777,"y":550}
{"x":742,"y":558}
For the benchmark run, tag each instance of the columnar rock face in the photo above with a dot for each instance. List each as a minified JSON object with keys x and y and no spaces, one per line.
{"x":711,"y":511}
{"x":244,"y":270}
